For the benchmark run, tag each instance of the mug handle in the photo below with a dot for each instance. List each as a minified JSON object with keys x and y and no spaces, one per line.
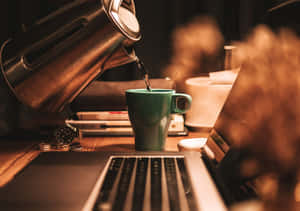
{"x":181,"y":103}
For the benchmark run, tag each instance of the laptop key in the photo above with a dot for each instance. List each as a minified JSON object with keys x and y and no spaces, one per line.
{"x":186,"y":184}
{"x":124,"y":184}
{"x":156,"y":194}
{"x":102,"y":202}
{"x":140,"y":183}
{"x":172,"y":184}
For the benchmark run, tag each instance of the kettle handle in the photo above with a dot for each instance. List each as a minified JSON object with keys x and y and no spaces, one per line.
{"x":128,"y":4}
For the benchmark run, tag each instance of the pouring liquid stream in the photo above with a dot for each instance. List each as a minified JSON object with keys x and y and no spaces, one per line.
{"x":144,"y":71}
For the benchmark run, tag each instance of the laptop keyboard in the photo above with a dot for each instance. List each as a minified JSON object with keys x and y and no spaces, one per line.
{"x":146,"y":184}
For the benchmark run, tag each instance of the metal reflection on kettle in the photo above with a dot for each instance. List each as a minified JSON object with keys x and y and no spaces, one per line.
{"x":47,"y":66}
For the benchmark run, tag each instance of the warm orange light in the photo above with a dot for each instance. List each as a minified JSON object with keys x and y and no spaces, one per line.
{"x":297,"y":192}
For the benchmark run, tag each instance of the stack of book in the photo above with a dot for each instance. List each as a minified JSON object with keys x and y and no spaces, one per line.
{"x":116,"y":123}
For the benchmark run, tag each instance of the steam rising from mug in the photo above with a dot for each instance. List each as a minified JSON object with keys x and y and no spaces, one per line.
{"x":48,"y":66}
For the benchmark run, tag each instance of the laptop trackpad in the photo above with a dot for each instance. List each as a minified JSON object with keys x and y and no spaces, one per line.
{"x":54,"y":181}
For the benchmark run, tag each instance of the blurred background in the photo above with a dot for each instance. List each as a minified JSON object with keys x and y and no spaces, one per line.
{"x":180,"y":39}
{"x":158,"y":20}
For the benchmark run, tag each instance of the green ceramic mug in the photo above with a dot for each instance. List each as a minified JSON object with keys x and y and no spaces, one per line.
{"x":150,"y":115}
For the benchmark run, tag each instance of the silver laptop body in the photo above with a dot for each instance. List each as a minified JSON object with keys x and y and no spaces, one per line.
{"x":155,"y":181}
{"x":113,"y":181}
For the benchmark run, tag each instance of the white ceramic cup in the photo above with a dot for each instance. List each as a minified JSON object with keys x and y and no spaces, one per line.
{"x":208,"y":100}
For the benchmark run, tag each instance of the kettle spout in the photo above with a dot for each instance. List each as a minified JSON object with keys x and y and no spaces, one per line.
{"x":121,"y":56}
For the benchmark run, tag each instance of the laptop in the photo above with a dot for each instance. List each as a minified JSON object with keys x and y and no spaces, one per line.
{"x":113,"y":181}
{"x":134,"y":181}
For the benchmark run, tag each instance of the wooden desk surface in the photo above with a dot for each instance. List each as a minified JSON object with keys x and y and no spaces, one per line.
{"x":15,"y":155}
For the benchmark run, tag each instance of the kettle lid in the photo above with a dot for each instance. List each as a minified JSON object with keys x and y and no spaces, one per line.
{"x":125,"y":19}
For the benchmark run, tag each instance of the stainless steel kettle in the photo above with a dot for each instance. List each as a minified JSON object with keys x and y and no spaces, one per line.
{"x":47,"y":66}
